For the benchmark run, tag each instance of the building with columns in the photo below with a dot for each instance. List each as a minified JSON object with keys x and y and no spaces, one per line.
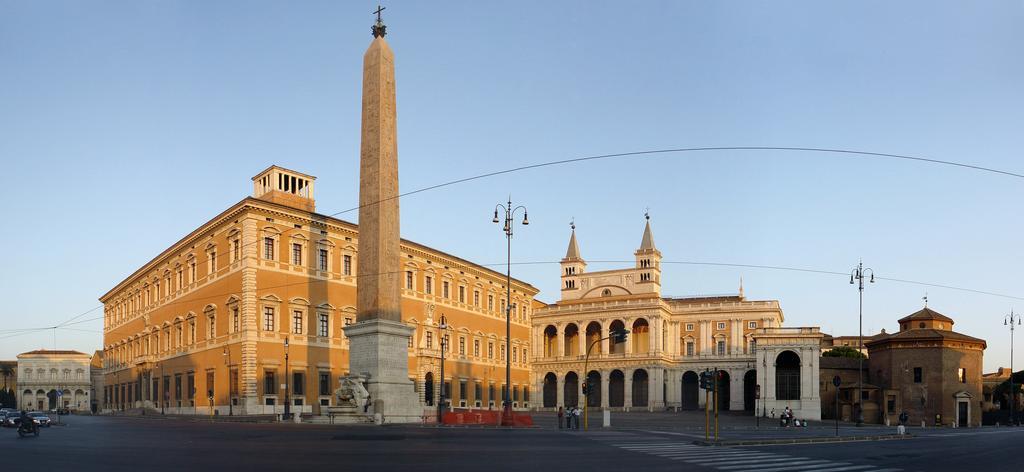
{"x":48,"y":379}
{"x":671,"y":340}
{"x":203,"y":325}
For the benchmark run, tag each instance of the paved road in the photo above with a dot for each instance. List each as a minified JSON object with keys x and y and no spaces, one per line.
{"x":115,"y":444}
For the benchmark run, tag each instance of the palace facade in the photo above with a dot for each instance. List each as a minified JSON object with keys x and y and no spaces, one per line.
{"x":246,"y":313}
{"x":671,"y":340}
{"x":48,"y":379}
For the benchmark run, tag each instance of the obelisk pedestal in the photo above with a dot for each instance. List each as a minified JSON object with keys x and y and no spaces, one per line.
{"x":379,"y":340}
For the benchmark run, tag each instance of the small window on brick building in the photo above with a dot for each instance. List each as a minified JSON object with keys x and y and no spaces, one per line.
{"x":961,"y":374}
{"x":917,"y":375}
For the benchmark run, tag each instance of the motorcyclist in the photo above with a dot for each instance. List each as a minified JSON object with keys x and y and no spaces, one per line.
{"x":27,"y":422}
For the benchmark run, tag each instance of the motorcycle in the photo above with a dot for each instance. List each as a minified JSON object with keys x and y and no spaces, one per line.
{"x":27,"y":429}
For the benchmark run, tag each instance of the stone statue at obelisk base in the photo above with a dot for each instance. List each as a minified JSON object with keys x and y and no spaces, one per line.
{"x":378,"y":341}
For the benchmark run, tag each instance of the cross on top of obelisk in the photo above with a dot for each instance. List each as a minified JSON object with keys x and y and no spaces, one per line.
{"x":379,"y":30}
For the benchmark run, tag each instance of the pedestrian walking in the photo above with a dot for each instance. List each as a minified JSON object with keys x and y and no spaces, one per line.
{"x":568,"y":417}
{"x":576,"y":418}
{"x":561,"y":413}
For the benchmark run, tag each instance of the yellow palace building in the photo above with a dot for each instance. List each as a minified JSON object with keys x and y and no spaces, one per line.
{"x":246,"y":313}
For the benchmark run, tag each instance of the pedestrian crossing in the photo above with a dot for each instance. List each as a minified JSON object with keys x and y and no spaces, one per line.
{"x":731,"y":459}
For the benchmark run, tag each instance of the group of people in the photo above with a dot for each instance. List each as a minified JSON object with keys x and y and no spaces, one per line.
{"x":571,"y":416}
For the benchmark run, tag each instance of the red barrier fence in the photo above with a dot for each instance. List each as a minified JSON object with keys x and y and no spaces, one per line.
{"x":485,"y":417}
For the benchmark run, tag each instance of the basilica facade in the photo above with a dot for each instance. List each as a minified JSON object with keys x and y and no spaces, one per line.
{"x":671,"y":341}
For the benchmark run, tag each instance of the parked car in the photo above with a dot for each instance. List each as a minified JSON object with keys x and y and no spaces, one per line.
{"x":40,"y":418}
{"x":62,"y":411}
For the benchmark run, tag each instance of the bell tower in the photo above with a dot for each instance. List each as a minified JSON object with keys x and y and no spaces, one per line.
{"x":572,"y":265}
{"x":648,"y":258}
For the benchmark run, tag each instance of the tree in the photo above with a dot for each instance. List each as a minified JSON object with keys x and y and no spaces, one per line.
{"x":844,"y":351}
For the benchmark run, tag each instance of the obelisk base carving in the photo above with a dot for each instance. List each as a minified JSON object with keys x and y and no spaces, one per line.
{"x":379,"y":350}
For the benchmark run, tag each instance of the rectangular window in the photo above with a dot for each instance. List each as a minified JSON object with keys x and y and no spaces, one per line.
{"x":515,"y":354}
{"x":751,"y":324}
{"x":236,"y":250}
{"x":961,"y":374}
{"x":408,"y":279}
{"x":322,"y":326}
{"x":462,"y":390}
{"x":444,"y":289}
{"x":752,"y":347}
{"x":323,"y":259}
{"x":689,"y":348}
{"x":268,"y":319}
{"x":502,"y":352}
{"x":297,"y":322}
{"x":347,"y":264}
{"x":462,"y":294}
{"x":478,"y":391}
{"x":476,"y":298}
{"x":296,"y":254}
{"x":462,"y":346}
{"x":192,"y":272}
{"x":490,"y":350}
{"x":234,"y":319}
{"x":721,"y":325}
{"x":430,"y":340}
{"x":490,"y":303}
{"x":177,"y":387}
{"x":428,"y":284}
{"x":446,"y":344}
{"x":192,"y":332}
{"x":917,"y":375}
{"x":212,"y":323}
{"x":721,"y":348}
{"x":298,"y":383}
{"x":325,"y":384}
{"x":213,"y":261}
{"x":268,"y":248}
{"x":476,"y":347}
{"x":269,"y":385}
{"x":689,"y":326}
{"x":191,"y":385}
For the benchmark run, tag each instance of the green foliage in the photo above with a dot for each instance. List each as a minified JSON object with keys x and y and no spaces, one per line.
{"x":844,"y":351}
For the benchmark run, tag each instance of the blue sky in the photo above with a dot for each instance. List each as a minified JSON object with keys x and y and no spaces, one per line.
{"x":127,"y":124}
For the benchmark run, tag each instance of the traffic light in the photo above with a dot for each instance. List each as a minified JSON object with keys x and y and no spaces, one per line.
{"x":619,"y":335}
{"x":704,"y":380}
{"x":584,"y":387}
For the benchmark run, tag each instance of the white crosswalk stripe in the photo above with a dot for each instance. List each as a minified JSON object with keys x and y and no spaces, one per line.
{"x":732,"y":459}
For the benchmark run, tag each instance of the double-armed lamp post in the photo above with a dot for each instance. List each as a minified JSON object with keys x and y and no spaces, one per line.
{"x":227,"y":362}
{"x":858,"y":274}
{"x":442,"y":329}
{"x":510,"y":211}
{"x":287,"y":402}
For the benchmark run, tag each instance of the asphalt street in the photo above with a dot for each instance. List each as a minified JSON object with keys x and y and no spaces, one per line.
{"x":120,"y":443}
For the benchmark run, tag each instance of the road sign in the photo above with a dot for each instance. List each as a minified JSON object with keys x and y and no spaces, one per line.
{"x":60,"y":393}
{"x":836,"y":381}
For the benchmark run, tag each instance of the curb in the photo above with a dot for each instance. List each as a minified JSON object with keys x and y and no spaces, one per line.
{"x":818,"y":440}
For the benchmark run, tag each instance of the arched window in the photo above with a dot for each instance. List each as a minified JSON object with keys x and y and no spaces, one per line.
{"x":787,"y":376}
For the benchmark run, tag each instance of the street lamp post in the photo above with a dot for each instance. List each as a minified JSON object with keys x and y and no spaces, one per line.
{"x":163,"y":387}
{"x":442,"y":328}
{"x":287,"y":413}
{"x":618,"y":336}
{"x":1008,"y":321}
{"x":506,"y":415}
{"x":227,"y":362}
{"x":858,"y":274}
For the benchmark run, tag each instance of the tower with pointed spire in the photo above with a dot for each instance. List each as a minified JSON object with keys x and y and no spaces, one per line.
{"x":572,"y":264}
{"x":648,"y":257}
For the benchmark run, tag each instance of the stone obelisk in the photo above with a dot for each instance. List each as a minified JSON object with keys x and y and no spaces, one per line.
{"x":378,"y":341}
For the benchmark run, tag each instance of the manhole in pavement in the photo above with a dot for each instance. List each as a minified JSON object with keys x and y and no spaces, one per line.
{"x":368,"y":437}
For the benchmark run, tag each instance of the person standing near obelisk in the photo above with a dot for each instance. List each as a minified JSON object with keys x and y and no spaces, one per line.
{"x":378,"y":340}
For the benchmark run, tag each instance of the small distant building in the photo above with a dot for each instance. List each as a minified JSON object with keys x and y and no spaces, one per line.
{"x":95,"y":381}
{"x":928,"y":370}
{"x":48,"y":379}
